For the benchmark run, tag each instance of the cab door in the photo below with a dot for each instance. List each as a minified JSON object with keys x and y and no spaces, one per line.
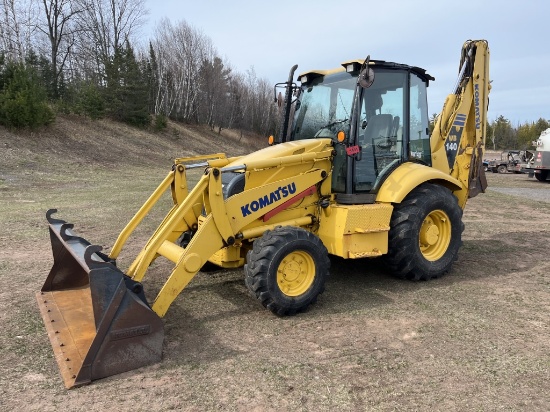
{"x":391,"y":128}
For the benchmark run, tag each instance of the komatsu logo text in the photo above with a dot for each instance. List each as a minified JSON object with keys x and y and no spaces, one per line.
{"x":275,"y":196}
{"x":476,"y":103}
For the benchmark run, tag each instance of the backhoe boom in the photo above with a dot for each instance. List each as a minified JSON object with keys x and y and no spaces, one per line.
{"x":458,"y":140}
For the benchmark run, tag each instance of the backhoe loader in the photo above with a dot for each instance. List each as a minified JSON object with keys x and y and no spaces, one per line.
{"x":353,"y":172}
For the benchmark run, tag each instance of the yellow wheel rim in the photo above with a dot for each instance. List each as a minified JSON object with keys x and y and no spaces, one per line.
{"x":296,"y":273}
{"x":435,"y":235}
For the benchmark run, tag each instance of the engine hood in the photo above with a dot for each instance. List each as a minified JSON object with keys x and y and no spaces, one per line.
{"x":296,"y":147}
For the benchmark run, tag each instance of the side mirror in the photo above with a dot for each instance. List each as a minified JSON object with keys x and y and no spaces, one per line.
{"x":366,"y":76}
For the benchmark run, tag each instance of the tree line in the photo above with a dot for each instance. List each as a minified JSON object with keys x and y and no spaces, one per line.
{"x":84,"y":57}
{"x":502,"y":135}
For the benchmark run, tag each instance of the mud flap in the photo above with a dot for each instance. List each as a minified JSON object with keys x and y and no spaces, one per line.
{"x":97,"y":318}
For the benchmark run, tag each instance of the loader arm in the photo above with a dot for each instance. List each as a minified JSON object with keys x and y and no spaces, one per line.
{"x":177,"y":181}
{"x":97,"y":317}
{"x":223,"y":221}
{"x":458,"y":140}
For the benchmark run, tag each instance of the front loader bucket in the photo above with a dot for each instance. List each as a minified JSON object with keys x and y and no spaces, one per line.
{"x":97,"y":318}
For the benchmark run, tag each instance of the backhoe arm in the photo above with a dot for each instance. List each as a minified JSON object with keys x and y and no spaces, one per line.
{"x":458,"y":140}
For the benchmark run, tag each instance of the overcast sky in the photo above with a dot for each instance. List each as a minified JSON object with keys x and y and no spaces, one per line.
{"x":271,"y":36}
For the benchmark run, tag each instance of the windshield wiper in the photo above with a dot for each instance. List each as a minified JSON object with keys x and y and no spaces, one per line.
{"x":333,"y":123}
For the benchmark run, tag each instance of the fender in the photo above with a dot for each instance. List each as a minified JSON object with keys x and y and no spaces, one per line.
{"x":408,"y":176}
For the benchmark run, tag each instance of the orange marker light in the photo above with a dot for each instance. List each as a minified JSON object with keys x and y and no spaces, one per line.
{"x":341,"y":136}
{"x":270,"y":140}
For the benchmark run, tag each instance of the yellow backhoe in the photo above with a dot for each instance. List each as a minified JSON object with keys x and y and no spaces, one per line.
{"x":354,"y":172}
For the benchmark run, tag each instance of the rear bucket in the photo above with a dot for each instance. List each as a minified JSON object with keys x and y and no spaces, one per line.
{"x":97,"y":318}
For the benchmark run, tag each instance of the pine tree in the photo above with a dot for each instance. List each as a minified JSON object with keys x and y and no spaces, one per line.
{"x":136,"y":96}
{"x":22,"y":97}
{"x":91,"y":102}
{"x":151,"y":73}
{"x":127,"y":92}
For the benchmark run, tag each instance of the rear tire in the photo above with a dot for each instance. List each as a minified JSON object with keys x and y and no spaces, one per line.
{"x":502,"y":169}
{"x":286,"y":269}
{"x":541,"y":177}
{"x":425,"y":233}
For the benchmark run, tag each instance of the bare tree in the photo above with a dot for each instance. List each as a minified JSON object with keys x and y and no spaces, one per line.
{"x":180,"y":50}
{"x":17,"y":25}
{"x":105,"y":26}
{"x":60,"y":29}
{"x":259,"y":113}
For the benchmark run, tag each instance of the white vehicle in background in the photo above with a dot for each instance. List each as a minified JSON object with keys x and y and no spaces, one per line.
{"x":541,"y":165}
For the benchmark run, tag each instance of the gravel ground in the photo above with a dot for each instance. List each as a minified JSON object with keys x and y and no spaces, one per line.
{"x":519,"y":185}
{"x":529,"y":193}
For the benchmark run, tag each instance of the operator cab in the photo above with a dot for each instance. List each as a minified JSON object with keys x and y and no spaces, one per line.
{"x":377,"y":123}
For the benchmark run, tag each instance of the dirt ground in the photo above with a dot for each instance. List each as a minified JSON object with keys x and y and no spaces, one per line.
{"x":476,"y":339}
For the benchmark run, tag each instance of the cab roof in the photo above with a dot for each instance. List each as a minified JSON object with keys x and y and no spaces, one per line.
{"x":375,"y":63}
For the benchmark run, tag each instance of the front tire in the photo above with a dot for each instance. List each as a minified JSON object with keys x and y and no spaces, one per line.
{"x":425,"y":233}
{"x":286,"y":269}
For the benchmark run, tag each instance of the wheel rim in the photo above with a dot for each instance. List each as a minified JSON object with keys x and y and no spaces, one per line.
{"x":296,"y":273}
{"x":435,"y":235}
